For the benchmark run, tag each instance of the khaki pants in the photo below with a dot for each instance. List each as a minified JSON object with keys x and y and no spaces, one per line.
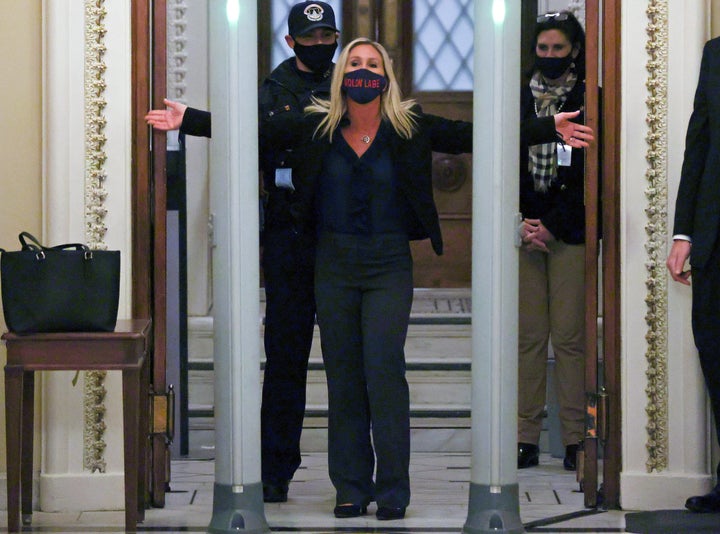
{"x":552,"y":307}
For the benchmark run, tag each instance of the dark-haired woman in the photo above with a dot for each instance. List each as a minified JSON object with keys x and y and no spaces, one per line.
{"x":552,"y":256}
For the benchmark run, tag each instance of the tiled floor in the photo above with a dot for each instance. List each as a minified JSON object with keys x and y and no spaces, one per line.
{"x":549,"y":502}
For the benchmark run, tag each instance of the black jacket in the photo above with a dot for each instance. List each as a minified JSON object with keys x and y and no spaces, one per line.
{"x":562,"y":208}
{"x":412,"y":161}
{"x":285,"y":90}
{"x":697,"y":208}
{"x":196,"y":122}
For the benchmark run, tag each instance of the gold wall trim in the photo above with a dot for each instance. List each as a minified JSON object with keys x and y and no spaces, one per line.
{"x":656,"y":244}
{"x":95,"y":212}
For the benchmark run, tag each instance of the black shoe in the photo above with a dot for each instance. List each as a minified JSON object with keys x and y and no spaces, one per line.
{"x":388,"y":513}
{"x":570,"y":460}
{"x":275,"y":492}
{"x":528,"y":455}
{"x":350,"y":510}
{"x":707,"y":503}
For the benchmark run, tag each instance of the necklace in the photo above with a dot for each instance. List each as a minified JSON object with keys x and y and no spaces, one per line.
{"x":537,"y":111}
{"x":366,"y":139}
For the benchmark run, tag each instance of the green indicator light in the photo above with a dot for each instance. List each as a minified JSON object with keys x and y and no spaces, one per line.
{"x":498,"y":11}
{"x":232,"y":8}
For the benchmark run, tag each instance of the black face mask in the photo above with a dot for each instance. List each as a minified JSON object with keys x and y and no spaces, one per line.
{"x":317,"y":58}
{"x":553,"y":67}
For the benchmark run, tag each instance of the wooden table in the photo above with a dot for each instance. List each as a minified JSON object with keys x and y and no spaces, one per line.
{"x":126,"y":350}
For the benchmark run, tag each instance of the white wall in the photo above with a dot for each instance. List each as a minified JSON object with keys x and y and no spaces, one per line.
{"x":688,"y":470}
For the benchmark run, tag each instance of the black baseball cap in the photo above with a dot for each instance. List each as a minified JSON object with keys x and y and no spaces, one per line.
{"x":307,"y":16}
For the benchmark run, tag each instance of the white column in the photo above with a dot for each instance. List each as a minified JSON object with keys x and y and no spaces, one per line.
{"x":494,"y":500}
{"x":238,"y":499}
{"x":689,"y":470}
{"x":64,"y":484}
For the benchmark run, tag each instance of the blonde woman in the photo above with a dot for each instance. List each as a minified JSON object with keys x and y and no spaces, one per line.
{"x":366,"y":189}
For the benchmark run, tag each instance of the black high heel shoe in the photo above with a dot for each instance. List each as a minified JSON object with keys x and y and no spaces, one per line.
{"x":388,"y":513}
{"x":343,"y":511}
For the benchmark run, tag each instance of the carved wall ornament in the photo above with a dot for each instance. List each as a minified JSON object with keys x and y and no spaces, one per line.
{"x":95,"y":212}
{"x":577,"y":8}
{"x":177,"y":49}
{"x":656,"y":244}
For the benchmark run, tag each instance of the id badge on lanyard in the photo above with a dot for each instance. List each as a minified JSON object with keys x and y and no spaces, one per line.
{"x":564,"y":155}
{"x":283,"y":178}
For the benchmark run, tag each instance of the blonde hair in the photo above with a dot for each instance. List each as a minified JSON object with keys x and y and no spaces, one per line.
{"x":392,"y":107}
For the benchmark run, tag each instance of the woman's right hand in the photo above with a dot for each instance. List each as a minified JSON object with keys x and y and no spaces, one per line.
{"x":574,"y":134}
{"x":679,"y":253}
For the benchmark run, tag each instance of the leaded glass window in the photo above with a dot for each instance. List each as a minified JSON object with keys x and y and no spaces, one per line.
{"x":443,"y":45}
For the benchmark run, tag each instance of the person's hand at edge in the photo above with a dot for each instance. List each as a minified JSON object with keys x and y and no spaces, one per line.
{"x":166,"y":119}
{"x":679,"y":253}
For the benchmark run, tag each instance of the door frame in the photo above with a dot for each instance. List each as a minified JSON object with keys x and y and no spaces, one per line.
{"x":603,"y":53}
{"x":149,"y":205}
{"x":611,"y":268}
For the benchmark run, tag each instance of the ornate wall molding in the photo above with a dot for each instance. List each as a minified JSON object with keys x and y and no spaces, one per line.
{"x":177,"y":49}
{"x":656,"y":244}
{"x":95,"y":212}
{"x":577,"y":7}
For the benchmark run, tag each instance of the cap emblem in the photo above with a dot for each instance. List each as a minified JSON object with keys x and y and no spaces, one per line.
{"x":314,"y":12}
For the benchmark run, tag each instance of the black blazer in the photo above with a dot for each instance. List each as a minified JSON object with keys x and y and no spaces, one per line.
{"x":697,"y":208}
{"x":196,"y":122}
{"x":412,"y":161}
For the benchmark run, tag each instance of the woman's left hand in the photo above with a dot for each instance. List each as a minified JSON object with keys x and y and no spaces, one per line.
{"x":574,"y":134}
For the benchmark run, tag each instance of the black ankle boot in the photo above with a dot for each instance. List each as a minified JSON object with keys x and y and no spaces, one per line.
{"x":528,"y":455}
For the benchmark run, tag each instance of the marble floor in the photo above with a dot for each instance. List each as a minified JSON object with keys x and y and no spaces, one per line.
{"x":549,"y":502}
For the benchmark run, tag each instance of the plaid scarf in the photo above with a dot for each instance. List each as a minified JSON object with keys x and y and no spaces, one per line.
{"x":549,"y":100}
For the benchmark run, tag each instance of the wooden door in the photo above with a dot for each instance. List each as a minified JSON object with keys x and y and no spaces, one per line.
{"x":149,"y":214}
{"x":610,"y":216}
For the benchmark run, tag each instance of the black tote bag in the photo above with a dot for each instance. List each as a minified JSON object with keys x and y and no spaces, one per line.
{"x":65,"y":288}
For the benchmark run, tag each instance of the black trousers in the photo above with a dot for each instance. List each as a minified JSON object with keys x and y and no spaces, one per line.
{"x":364,"y":291}
{"x":706,"y":327}
{"x":288,"y":265}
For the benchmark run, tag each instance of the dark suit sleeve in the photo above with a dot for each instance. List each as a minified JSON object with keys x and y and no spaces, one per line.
{"x":446,"y":135}
{"x":196,"y":122}
{"x":697,"y":144}
{"x":538,"y":130}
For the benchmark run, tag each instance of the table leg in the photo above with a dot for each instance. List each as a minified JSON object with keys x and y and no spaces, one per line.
{"x":26,"y":466}
{"x":131,"y":424}
{"x":143,"y":439}
{"x":13,"y":422}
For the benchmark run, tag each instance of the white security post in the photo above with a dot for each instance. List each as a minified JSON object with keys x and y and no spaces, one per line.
{"x":494,"y":497}
{"x":237,"y":498}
